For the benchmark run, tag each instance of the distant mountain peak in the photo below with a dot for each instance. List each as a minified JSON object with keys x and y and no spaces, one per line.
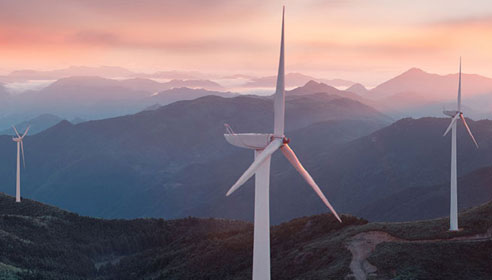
{"x":315,"y":87}
{"x":60,"y":125}
{"x":312,"y":83}
{"x":37,"y":124}
{"x":415,"y":70}
{"x":358,"y":89}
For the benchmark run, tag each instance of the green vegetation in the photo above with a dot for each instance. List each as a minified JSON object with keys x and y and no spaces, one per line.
{"x":42,"y":242}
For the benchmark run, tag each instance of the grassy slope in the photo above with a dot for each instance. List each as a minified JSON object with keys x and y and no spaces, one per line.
{"x":42,"y":242}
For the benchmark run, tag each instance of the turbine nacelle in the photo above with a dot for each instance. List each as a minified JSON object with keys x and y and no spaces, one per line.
{"x":19,"y":140}
{"x":253,"y":141}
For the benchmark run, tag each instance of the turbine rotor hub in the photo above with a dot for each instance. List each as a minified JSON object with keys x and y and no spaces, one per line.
{"x":285,"y":140}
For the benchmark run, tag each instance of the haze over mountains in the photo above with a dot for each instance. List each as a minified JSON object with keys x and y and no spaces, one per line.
{"x":163,"y":161}
{"x":35,"y":125}
{"x":96,"y":98}
{"x":416,"y":93}
{"x":294,"y":80}
{"x":138,"y":160}
{"x":433,"y":85}
{"x":101,"y":92}
{"x":358,"y":89}
{"x":103,"y":71}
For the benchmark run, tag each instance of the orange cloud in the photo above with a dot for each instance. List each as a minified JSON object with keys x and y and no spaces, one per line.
{"x":367,"y":41}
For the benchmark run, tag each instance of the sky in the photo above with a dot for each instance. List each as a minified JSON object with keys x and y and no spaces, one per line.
{"x":364,"y":41}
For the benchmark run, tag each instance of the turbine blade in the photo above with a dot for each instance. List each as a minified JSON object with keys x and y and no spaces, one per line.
{"x":451,"y":124}
{"x":279,"y":97}
{"x":469,"y":130}
{"x":291,"y":156}
{"x":23,"y":158}
{"x":268,"y":151}
{"x":459,"y":89}
{"x":15,"y":129}
{"x":25,"y":132}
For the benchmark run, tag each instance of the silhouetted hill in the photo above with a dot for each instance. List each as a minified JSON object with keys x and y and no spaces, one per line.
{"x":138,"y":160}
{"x":36,"y":124}
{"x":416,"y":93}
{"x":42,"y":242}
{"x":184,"y":93}
{"x":407,"y":154}
{"x":92,"y":97}
{"x":173,"y":161}
{"x":358,"y":89}
{"x":418,"y":203}
{"x":294,"y":80}
{"x":418,"y":81}
{"x":314,"y":87}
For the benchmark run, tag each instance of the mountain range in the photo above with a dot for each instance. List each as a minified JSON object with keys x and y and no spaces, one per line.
{"x":166,"y":158}
{"x":431,"y":202}
{"x":436,"y":86}
{"x":414,"y":93}
{"x":294,"y":80}
{"x":96,"y":98}
{"x":358,"y":89}
{"x":166,"y":162}
{"x":141,"y":160}
{"x":36,"y":124}
{"x":43,"y":242}
{"x":356,"y":174}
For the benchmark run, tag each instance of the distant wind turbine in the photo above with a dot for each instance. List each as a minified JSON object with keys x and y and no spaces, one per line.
{"x":265,"y":145}
{"x":20,"y":147}
{"x":455,"y":115}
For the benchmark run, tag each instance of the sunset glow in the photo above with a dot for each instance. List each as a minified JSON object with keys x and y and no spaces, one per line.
{"x":366,"y":41}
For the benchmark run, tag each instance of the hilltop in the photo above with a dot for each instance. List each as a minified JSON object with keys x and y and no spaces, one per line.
{"x":38,"y":241}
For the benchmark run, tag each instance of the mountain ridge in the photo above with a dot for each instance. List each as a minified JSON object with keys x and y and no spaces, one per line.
{"x":144,"y":151}
{"x":66,"y":245}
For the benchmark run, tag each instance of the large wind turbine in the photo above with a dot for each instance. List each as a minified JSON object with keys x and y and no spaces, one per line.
{"x":455,"y":115}
{"x":264,"y":146}
{"x":20,"y":147}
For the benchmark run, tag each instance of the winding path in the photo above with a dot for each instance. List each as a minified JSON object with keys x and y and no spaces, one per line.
{"x":363,"y":244}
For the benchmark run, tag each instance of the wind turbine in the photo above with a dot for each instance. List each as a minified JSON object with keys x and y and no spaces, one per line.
{"x":20,"y":146}
{"x":264,"y":146}
{"x":455,"y":115}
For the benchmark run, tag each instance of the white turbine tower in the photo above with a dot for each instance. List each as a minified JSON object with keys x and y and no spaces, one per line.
{"x":265,"y":145}
{"x":453,"y":215}
{"x":20,"y":147}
